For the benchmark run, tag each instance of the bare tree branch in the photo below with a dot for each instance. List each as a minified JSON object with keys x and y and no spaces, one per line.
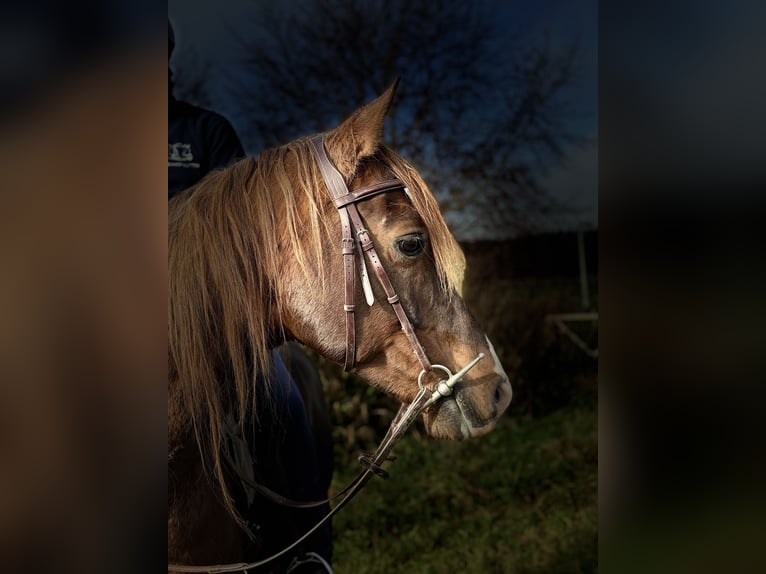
{"x":481,"y":125}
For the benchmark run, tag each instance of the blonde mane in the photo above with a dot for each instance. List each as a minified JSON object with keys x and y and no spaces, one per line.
{"x":226,"y":237}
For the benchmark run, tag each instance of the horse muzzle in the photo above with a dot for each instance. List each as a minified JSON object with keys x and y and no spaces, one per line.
{"x":464,"y":408}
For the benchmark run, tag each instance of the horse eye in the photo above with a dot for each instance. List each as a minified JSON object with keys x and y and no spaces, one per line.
{"x":410,"y":245}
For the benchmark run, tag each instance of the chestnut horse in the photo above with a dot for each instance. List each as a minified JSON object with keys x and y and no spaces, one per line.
{"x":254,"y":260}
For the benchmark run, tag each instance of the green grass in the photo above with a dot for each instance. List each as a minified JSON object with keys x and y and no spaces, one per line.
{"x":521,"y":499}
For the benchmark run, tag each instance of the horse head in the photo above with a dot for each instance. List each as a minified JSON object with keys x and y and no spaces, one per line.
{"x":425,"y":266}
{"x":261,"y":252}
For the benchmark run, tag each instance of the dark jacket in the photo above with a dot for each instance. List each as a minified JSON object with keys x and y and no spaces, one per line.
{"x":198,"y":141}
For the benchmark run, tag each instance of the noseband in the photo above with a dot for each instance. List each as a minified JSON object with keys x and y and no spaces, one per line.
{"x":351,"y":225}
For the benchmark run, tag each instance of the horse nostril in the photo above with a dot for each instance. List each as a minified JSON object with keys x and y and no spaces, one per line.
{"x":498,"y":394}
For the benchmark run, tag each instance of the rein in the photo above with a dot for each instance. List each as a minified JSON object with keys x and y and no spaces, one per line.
{"x":404,"y":418}
{"x":352,"y":224}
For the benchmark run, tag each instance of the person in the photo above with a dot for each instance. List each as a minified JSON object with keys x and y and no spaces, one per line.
{"x":200,"y":140}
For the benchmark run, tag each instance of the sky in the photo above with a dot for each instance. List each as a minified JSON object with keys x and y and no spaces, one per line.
{"x":204,"y":39}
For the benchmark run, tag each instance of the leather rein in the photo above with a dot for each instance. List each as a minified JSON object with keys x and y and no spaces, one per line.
{"x":352,"y":224}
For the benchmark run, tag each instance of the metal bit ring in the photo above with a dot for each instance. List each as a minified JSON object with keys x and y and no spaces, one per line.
{"x":423,"y":372}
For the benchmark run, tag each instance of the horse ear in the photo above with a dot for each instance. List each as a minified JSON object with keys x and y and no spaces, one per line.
{"x":360,"y":135}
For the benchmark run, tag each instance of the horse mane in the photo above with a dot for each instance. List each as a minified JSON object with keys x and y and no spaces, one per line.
{"x":225,"y":237}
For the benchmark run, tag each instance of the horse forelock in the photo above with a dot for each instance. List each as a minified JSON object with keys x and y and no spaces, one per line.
{"x":448,"y":255}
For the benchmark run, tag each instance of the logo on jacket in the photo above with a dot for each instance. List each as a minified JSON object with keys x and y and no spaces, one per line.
{"x":180,"y":155}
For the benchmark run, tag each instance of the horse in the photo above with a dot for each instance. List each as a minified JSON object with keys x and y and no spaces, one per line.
{"x":254,"y":261}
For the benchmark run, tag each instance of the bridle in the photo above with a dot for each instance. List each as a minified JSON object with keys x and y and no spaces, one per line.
{"x":351,"y":224}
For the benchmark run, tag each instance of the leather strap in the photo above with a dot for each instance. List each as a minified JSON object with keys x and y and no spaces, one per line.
{"x":345,"y":201}
{"x":368,"y":192}
{"x":403,"y":420}
{"x":337,"y":186}
{"x":372,"y":463}
{"x":393,"y":298}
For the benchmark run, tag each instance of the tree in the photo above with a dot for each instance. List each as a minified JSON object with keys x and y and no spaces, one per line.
{"x":480,"y":116}
{"x":193,"y":89}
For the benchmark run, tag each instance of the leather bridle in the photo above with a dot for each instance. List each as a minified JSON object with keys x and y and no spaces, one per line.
{"x":351,"y":224}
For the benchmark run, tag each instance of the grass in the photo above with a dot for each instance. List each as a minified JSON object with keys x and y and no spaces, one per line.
{"x":521,"y":499}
